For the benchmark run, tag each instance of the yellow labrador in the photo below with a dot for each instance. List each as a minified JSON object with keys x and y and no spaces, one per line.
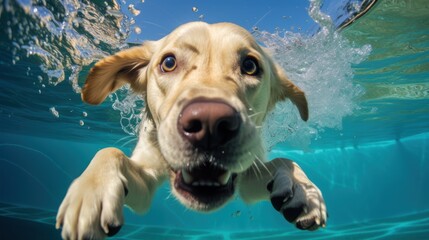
{"x":208,"y":89}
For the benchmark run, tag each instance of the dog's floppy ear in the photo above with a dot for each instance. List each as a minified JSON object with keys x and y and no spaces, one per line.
{"x":112,"y":72}
{"x":286,"y":89}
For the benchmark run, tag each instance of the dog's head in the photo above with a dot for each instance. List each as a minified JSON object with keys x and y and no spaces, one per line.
{"x":208,"y":89}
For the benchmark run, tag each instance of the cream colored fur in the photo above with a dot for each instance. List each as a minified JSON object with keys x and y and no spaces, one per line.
{"x":208,"y":65}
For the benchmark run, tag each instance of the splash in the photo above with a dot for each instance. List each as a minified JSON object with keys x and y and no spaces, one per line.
{"x":130,"y":106}
{"x":321,"y":65}
{"x":64,"y":35}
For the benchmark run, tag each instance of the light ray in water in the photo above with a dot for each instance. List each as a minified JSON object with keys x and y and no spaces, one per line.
{"x":41,"y":153}
{"x":27,"y":172}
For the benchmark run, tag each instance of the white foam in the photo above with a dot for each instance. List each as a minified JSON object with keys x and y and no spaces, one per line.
{"x":321,"y":65}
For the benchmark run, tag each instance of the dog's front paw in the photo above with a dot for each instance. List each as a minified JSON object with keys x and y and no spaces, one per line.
{"x":300,"y":202}
{"x":92,"y":208}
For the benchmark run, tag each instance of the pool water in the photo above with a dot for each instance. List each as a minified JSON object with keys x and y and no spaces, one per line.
{"x":365,"y":145}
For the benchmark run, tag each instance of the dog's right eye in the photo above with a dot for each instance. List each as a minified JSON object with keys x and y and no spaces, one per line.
{"x":250,"y":66}
{"x":168,"y":64}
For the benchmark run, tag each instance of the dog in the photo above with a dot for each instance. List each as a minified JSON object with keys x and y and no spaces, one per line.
{"x":207,"y":90}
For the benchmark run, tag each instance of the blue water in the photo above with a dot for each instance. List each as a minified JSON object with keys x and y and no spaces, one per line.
{"x":369,"y":156}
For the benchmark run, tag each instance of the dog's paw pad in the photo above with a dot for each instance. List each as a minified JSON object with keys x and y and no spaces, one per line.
{"x":280,"y":188}
{"x":299,"y":203}
{"x":296,"y":205}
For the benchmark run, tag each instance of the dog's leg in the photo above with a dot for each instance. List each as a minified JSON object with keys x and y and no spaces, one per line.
{"x":93,"y":205}
{"x":290,"y":191}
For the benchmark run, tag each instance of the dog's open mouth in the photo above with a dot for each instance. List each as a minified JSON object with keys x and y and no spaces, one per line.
{"x":210,"y":186}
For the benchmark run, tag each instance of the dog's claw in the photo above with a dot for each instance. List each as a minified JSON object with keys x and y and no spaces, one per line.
{"x":125,"y":190}
{"x":113,"y":230}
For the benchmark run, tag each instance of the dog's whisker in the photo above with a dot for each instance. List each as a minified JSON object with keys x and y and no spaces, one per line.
{"x":255,"y":114}
{"x":241,"y":166}
{"x":263,"y":164}
{"x":256,"y":170}
{"x":169,"y":196}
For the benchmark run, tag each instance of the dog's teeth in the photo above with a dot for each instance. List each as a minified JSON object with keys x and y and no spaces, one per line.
{"x":224,"y":178}
{"x":187,"y":177}
{"x":205,"y":183}
{"x":196,"y":184}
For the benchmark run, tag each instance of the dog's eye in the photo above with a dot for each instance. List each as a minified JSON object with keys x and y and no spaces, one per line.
{"x":168,"y":64}
{"x":250,"y":66}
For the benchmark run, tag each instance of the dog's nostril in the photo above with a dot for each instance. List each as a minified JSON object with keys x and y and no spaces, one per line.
{"x":228,"y":124}
{"x":193,"y":126}
{"x":226,"y":128}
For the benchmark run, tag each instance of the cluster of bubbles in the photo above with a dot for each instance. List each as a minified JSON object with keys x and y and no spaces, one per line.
{"x":130,"y":108}
{"x":64,"y":35}
{"x":56,"y":114}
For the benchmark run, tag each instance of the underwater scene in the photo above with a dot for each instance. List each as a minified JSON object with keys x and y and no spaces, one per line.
{"x":363,"y":65}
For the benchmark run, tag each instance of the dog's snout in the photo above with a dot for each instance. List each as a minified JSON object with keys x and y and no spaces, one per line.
{"x":209,"y":124}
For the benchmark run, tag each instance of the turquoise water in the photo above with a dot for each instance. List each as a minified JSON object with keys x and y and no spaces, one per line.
{"x":368,"y":153}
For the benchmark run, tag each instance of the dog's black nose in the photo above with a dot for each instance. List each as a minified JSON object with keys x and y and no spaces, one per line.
{"x":208,"y":124}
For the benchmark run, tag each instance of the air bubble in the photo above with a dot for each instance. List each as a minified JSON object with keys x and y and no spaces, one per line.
{"x":81,"y":123}
{"x":194,"y":9}
{"x":137,"y":30}
{"x":133,"y":11}
{"x":84,"y":114}
{"x":54,"y":112}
